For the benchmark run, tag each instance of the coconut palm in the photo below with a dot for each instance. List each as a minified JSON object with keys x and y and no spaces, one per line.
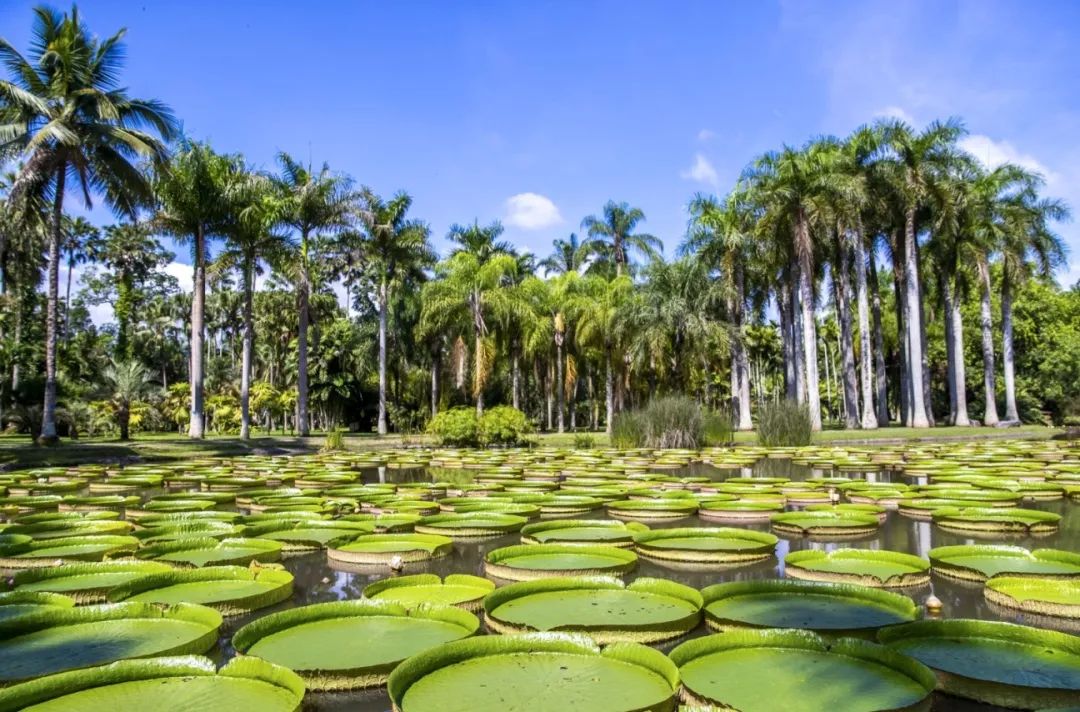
{"x":126,"y":383}
{"x":315,"y":204}
{"x":79,"y":235}
{"x":612,"y":235}
{"x":596,"y":307}
{"x":191,"y":209}
{"x":253,"y":208}
{"x":64,"y":110}
{"x":569,"y":255}
{"x":395,"y":250}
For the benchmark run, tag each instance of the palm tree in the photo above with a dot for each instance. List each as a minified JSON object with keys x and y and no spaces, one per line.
{"x":253,"y":210}
{"x":918,"y":158}
{"x":613,"y":234}
{"x":126,"y":383}
{"x":472,"y":287}
{"x":65,"y":110}
{"x":316,"y":204}
{"x":547,"y":324}
{"x":191,"y":208}
{"x":596,"y":308}
{"x":395,"y":251}
{"x":79,"y":235}
{"x":568,"y":255}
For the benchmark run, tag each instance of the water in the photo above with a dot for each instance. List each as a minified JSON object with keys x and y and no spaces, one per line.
{"x":317,"y":581}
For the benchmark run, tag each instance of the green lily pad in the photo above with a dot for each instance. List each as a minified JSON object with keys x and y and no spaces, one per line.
{"x":1059,"y":598}
{"x":825,"y":525}
{"x":410,"y":591}
{"x":18,"y":604}
{"x":47,"y":552}
{"x":582,"y":531}
{"x":705,"y":545}
{"x":86,"y":583}
{"x":650,"y":509}
{"x":539,"y":672}
{"x":231,"y":590}
{"x":309,"y":534}
{"x":602,"y":607}
{"x":995,"y":663}
{"x":868,"y":567}
{"x":470,"y":525}
{"x":382,"y":548}
{"x":350,"y":644}
{"x":742,"y":510}
{"x":186,"y":683}
{"x":532,"y":561}
{"x":755,"y":670}
{"x":833,"y":608}
{"x":60,"y":639}
{"x":980,"y":562}
{"x":204,"y":551}
{"x":983,"y":521}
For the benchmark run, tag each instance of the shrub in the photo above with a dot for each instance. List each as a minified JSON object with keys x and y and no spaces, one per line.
{"x":785,"y":424}
{"x":457,"y":427}
{"x":504,"y":425}
{"x":668,"y":422}
{"x":719,"y":428}
{"x":628,"y":430}
{"x":335,"y":441}
{"x":584,"y":441}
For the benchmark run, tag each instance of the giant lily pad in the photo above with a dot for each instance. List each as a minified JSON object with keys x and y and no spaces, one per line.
{"x":86,"y":583}
{"x":309,"y":534}
{"x":995,"y":663}
{"x":532,"y":561}
{"x":382,"y":548}
{"x":869,"y":567}
{"x":410,"y":591}
{"x":539,"y":672}
{"x":742,"y":510}
{"x":470,"y":525}
{"x":176,"y":683}
{"x":652,"y":509}
{"x":231,"y":590}
{"x":800,"y":671}
{"x":350,"y":644}
{"x":582,"y":531}
{"x":204,"y":551}
{"x":833,"y":608}
{"x":17,"y":604}
{"x":47,"y":552}
{"x":980,"y":562}
{"x":602,"y":607}
{"x":60,"y":639}
{"x":705,"y":545}
{"x":982,"y":521}
{"x":1059,"y":598}
{"x":825,"y":525}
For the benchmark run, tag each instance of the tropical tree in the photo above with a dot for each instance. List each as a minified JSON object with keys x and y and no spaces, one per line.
{"x":316,"y":204}
{"x":395,"y":251}
{"x":76,"y":128}
{"x":596,"y":308}
{"x":126,"y":383}
{"x":612,"y":234}
{"x":569,"y":255}
{"x":79,"y":235}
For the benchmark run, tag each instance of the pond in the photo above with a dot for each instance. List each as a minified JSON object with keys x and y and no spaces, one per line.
{"x":971,"y":475}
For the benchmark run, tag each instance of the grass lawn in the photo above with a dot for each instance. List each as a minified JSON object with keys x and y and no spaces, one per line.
{"x":17,"y":452}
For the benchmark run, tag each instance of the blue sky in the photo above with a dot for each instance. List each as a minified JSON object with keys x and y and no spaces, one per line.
{"x":537,"y":113}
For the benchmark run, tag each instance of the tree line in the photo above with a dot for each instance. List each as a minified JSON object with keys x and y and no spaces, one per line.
{"x":868,"y":277}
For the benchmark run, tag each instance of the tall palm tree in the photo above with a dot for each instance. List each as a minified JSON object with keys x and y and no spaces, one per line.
{"x":568,"y":255}
{"x":79,"y":235}
{"x":613,"y":233}
{"x":65,"y":111}
{"x":596,"y":308}
{"x":253,"y":209}
{"x":191,"y":208}
{"x":395,"y":250}
{"x":919,"y":159}
{"x":548,"y":322}
{"x":316,"y":204}
{"x":126,"y":382}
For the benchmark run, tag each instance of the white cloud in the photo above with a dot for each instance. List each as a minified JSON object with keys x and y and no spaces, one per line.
{"x":702,"y":171}
{"x":895,"y":112}
{"x":993,"y":153}
{"x":531,"y":211}
{"x":705,"y":135}
{"x":183,"y":273}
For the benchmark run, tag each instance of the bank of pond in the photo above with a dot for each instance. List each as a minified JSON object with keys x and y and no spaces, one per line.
{"x":435,"y":580}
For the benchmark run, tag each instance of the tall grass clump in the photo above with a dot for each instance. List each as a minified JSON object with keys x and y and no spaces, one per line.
{"x":719,"y":428}
{"x":335,"y":441}
{"x":671,"y":422}
{"x":628,"y":430}
{"x":785,"y":424}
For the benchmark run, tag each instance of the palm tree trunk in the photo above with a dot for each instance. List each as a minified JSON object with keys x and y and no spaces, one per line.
{"x":560,"y":390}
{"x":784,"y":307}
{"x":435,"y":383}
{"x":197,"y":424}
{"x":738,"y":353}
{"x":383,"y":297}
{"x":809,"y":328}
{"x":797,"y":349}
{"x":959,"y":375}
{"x":515,"y":376}
{"x":67,"y":302}
{"x":990,"y":415}
{"x":914,"y":323}
{"x":928,"y":400}
{"x":869,"y":420}
{"x":124,"y":419}
{"x":850,"y":380}
{"x":609,"y":390}
{"x":950,"y":353}
{"x":248,"y":349}
{"x":1008,"y":356}
{"x":48,"y":413}
{"x":303,"y":287}
{"x":901,"y":338}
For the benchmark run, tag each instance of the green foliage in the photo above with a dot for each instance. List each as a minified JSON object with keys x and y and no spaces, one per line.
{"x":335,"y":441}
{"x":457,"y":427}
{"x":502,"y":425}
{"x":718,"y":428}
{"x":669,"y":422}
{"x":784,"y":424}
{"x":584,"y":441}
{"x":628,"y":429}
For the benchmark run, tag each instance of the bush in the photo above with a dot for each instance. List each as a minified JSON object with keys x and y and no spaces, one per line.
{"x":785,"y":424}
{"x":584,"y":441}
{"x":668,"y":422}
{"x":504,"y":425}
{"x":719,"y":428}
{"x":334,"y":442}
{"x":501,"y":425}
{"x":457,"y":427}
